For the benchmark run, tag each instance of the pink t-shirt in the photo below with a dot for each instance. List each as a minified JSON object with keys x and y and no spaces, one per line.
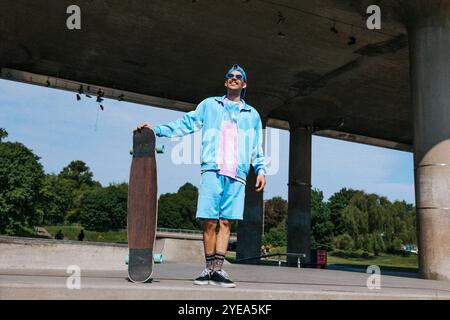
{"x":228,"y":153}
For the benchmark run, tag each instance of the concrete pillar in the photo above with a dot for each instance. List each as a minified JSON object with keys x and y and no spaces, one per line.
{"x":428,"y":24}
{"x":250,"y":229}
{"x":299,"y":196}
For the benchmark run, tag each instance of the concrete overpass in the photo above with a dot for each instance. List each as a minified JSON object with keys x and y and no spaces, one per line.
{"x":389,"y":88}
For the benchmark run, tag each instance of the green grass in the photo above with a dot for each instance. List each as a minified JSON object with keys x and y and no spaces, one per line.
{"x":71,"y":233}
{"x":230,"y":256}
{"x":384,"y":261}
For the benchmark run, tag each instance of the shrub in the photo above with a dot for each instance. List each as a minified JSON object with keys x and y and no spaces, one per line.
{"x":275,"y":237}
{"x":343,"y":242}
{"x":358,"y":254}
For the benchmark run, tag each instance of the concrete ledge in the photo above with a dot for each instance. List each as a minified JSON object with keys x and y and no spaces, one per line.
{"x":26,"y":253}
{"x":30,"y":253}
{"x":43,"y":241}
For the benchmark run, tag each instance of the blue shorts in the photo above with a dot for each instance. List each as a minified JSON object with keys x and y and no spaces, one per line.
{"x":220,"y":197}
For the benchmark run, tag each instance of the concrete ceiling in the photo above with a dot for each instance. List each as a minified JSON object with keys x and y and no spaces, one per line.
{"x":298,"y":69}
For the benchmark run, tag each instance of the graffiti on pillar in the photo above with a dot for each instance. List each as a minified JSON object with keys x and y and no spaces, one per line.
{"x":374,"y":21}
{"x":73,"y":22}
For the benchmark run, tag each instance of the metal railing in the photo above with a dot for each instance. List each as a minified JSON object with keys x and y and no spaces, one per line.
{"x":296,"y":255}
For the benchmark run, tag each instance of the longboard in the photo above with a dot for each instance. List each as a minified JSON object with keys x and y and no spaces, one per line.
{"x":142,"y":206}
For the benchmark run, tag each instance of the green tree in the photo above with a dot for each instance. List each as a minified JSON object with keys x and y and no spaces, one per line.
{"x":3,"y":134}
{"x":103,"y":209}
{"x":21,"y":177}
{"x":169,"y":211}
{"x":378,"y":244}
{"x":80,"y":173}
{"x":374,"y":223}
{"x":275,"y":212}
{"x":275,"y":237}
{"x":402,"y":223}
{"x":189,"y":193}
{"x":177,"y":210}
{"x":337,"y":202}
{"x":394,"y":246}
{"x":321,"y":226}
{"x":350,"y":221}
{"x":56,"y":199}
{"x":94,"y":210}
{"x":343,"y":242}
{"x":79,"y":178}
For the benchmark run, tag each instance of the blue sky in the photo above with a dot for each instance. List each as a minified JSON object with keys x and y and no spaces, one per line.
{"x":59,"y":129}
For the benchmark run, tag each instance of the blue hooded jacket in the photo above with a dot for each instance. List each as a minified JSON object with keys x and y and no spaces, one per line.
{"x":208,"y":116}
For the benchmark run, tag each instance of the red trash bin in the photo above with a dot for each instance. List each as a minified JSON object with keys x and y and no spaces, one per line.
{"x":321,"y":259}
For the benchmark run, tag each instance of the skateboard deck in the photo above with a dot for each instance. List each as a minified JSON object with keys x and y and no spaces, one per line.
{"x":142,"y":206}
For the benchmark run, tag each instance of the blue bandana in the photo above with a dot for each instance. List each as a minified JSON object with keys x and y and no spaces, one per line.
{"x":244,"y":77}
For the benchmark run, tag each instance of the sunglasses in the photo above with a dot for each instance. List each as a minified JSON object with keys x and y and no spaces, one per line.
{"x":237,"y":76}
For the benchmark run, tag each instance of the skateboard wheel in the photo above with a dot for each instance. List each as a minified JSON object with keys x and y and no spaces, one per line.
{"x":126,"y":259}
{"x":158,"y":258}
{"x":131,"y":151}
{"x":159,"y":148}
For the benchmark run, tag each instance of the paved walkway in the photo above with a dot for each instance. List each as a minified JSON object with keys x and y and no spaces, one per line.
{"x":174,"y":281}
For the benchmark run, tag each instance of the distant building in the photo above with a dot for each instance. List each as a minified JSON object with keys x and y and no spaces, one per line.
{"x":409,"y":247}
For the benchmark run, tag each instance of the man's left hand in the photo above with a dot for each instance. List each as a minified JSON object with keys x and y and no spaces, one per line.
{"x":260,"y":183}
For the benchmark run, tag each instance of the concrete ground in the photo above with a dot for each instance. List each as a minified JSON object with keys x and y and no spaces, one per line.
{"x":174,"y":281}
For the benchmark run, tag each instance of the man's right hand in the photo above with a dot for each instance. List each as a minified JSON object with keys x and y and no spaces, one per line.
{"x":144,"y":125}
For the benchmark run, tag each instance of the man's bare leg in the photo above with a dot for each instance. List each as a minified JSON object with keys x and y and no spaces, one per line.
{"x":219,"y":277}
{"x":209,"y":241}
{"x":223,"y":237}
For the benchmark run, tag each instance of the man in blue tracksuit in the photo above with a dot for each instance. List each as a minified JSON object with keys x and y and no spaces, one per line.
{"x":231,"y":141}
